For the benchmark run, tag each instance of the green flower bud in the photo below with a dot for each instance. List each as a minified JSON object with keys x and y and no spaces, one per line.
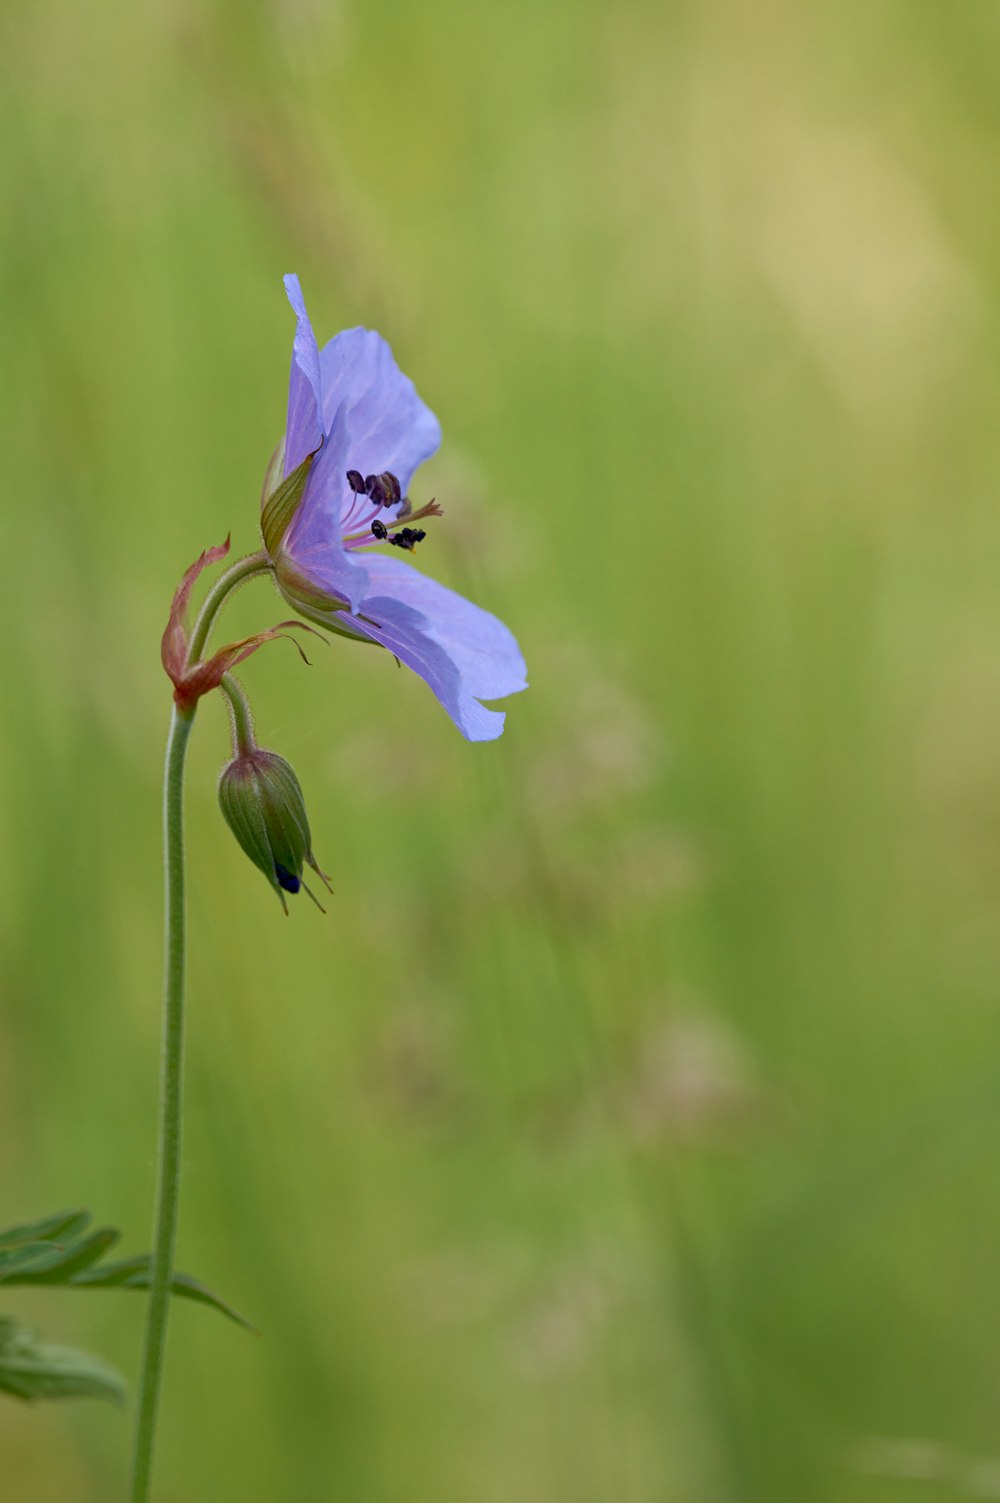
{"x":262,"y":804}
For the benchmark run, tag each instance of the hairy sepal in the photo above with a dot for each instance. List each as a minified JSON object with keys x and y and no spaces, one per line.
{"x":282,"y":504}
{"x":174,"y":646}
{"x":202,"y":678}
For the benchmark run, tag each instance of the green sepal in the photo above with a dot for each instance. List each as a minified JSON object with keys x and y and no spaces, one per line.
{"x":31,"y":1370}
{"x":285,"y":817}
{"x":274,"y":473}
{"x":282,"y":504}
{"x":324,"y":616}
{"x":246,"y":822}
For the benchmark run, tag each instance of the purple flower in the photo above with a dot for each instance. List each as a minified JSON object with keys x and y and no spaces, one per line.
{"x":336,"y":495}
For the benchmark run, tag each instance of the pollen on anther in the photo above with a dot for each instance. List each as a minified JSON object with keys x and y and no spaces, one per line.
{"x":407,"y":537}
{"x":383,"y":489}
{"x":356,"y":481}
{"x":380,"y":530}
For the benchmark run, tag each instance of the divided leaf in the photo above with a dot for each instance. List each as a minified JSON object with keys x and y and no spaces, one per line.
{"x":16,"y":1259}
{"x":64,"y":1224}
{"x":133,"y":1273}
{"x":52,"y":1251}
{"x":60,"y":1263}
{"x":31,"y":1370}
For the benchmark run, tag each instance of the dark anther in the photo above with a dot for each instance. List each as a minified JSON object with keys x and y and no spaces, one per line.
{"x":356,"y":481}
{"x":407,"y":537}
{"x":288,"y":880}
{"x":380,"y":530}
{"x":384,"y":489}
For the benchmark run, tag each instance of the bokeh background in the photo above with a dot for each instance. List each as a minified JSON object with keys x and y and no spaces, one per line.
{"x":630,"y":1127}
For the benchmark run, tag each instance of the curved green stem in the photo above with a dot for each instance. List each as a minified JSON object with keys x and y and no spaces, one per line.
{"x":239,"y":714}
{"x":171,"y":1059}
{"x":244,"y":568}
{"x":172,"y":1053}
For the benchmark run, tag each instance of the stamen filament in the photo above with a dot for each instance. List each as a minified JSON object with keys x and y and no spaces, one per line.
{"x":360,"y":531}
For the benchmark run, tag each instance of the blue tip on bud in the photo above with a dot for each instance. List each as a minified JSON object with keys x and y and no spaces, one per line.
{"x":262,"y":803}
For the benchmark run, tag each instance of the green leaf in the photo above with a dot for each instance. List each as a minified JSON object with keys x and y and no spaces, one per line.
{"x":30,"y":1370}
{"x":59,"y":1264}
{"x":29,"y":1254}
{"x":14,"y":1259}
{"x":64,"y":1225}
{"x":134,"y":1273}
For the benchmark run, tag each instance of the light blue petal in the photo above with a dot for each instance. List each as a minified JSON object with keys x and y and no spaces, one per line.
{"x":374,"y":421}
{"x":314,"y":536}
{"x":463,"y":653}
{"x":381,"y":423}
{"x":304,"y":430}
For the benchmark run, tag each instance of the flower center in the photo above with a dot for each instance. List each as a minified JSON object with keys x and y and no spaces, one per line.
{"x":362,"y":525}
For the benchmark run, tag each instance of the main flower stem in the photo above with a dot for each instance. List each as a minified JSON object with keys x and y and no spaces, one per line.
{"x":171,"y":1070}
{"x":172,"y":1052}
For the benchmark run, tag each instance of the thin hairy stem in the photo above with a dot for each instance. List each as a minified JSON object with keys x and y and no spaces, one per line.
{"x":171,"y":1063}
{"x":244,"y":568}
{"x":240,"y":717}
{"x":172,"y":1052}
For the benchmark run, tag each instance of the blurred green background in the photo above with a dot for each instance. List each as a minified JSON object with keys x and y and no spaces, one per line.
{"x":630,"y":1127}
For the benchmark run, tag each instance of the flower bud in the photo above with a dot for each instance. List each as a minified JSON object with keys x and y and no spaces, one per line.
{"x":262,"y":804}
